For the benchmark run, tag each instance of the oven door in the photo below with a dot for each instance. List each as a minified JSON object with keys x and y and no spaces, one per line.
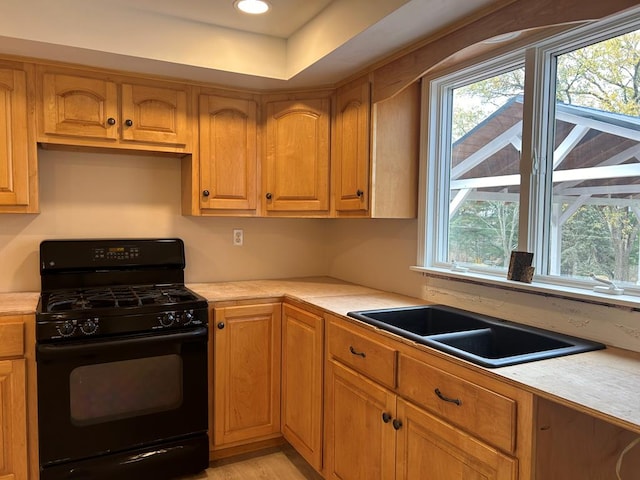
{"x":107,"y":396}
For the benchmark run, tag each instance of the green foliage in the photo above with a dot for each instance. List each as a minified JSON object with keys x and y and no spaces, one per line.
{"x":605,"y":75}
{"x":484,"y":233}
{"x":601,"y":239}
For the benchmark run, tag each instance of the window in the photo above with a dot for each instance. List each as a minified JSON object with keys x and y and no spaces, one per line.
{"x":539,"y":150}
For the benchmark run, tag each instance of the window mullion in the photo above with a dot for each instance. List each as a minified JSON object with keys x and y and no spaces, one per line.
{"x":536,"y":158}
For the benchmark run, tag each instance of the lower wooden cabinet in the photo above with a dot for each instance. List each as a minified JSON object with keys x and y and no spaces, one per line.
{"x":361,"y":441}
{"x":385,"y":418}
{"x":373,"y":434}
{"x":302,"y":368}
{"x":358,"y":404}
{"x":13,"y":430}
{"x":13,"y":401}
{"x":246,"y":342}
{"x":428,"y":447}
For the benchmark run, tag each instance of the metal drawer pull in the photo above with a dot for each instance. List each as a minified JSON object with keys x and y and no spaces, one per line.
{"x":386,"y":418}
{"x":397,"y":424}
{"x":447,"y":399}
{"x":355,"y":352}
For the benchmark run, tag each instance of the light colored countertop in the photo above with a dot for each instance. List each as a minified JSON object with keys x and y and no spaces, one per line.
{"x":18,"y":303}
{"x":603,"y":383}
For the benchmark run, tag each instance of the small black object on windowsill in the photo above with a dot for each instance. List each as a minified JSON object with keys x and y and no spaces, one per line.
{"x":520,"y":268}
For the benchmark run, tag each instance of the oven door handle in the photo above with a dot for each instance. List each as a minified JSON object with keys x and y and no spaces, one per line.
{"x":51,"y":350}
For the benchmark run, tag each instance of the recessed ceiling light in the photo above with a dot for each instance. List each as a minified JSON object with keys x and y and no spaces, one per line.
{"x":254,"y":7}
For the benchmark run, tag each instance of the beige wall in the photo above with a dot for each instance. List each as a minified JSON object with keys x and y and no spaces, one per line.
{"x":376,"y":253}
{"x":107,"y":195}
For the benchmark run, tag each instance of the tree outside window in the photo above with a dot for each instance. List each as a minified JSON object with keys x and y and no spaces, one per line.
{"x":594,"y":152}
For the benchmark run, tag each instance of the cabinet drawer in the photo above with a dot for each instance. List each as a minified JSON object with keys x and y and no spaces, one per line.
{"x":12,"y":339}
{"x":374,"y":359}
{"x":486,"y":414}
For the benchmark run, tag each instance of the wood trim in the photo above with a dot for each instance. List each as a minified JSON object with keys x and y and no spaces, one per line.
{"x":516,"y":16}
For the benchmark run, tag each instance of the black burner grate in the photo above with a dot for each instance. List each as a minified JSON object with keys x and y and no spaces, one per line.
{"x":114,"y":297}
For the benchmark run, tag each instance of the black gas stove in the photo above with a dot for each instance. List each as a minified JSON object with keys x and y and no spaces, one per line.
{"x":121,"y":351}
{"x":95,"y":288}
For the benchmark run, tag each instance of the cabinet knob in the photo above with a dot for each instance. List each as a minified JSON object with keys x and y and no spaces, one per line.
{"x":205,"y":193}
{"x":220,"y":325}
{"x":360,"y":193}
{"x":111,"y":121}
{"x":386,"y":418}
{"x":269,"y":196}
{"x":397,"y":424}
{"x":128,"y":122}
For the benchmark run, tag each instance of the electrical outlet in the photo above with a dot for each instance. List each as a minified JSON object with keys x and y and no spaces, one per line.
{"x":238,"y":237}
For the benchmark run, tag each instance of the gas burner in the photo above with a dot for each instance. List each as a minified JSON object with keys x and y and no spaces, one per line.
{"x":114,"y":297}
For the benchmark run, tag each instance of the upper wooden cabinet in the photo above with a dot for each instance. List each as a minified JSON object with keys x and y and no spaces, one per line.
{"x":18,"y":163}
{"x":375,"y":153}
{"x":96,"y":111}
{"x":395,"y":154}
{"x":351,"y":149}
{"x":155,"y":115}
{"x":228,"y":154}
{"x":296,"y":164}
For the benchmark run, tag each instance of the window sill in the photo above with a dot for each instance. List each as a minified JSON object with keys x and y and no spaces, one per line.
{"x":535,"y":288}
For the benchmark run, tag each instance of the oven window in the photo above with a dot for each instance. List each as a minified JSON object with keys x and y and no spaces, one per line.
{"x":106,"y":392}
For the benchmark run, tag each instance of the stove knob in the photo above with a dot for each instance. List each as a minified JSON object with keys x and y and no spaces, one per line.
{"x":67,"y":328}
{"x":167,"y":319}
{"x":187,"y":317}
{"x":89,"y":327}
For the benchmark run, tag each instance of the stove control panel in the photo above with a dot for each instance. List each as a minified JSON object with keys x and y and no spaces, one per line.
{"x":118,"y":253}
{"x":179,"y":318}
{"x":75,"y":328}
{"x":64,"y":328}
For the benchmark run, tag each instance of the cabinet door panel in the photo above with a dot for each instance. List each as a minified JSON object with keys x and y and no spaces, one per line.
{"x":297,"y":172}
{"x":157,"y":115}
{"x":302,"y":358}
{"x":79,"y":106}
{"x":361,"y":446}
{"x":351,"y":163}
{"x":429,"y":448}
{"x":13,"y":420}
{"x":246,"y":373}
{"x":228,"y":153}
{"x":14,"y":152}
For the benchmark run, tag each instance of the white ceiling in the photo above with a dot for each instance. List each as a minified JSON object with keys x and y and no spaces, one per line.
{"x":298,"y":43}
{"x":285,"y":18}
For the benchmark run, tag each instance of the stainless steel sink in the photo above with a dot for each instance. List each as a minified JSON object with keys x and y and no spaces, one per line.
{"x":480,"y":339}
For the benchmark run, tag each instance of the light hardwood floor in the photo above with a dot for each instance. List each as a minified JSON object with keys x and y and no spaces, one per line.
{"x":273,"y":464}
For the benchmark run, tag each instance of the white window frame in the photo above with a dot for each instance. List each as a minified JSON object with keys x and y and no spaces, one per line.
{"x":536,"y":160}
